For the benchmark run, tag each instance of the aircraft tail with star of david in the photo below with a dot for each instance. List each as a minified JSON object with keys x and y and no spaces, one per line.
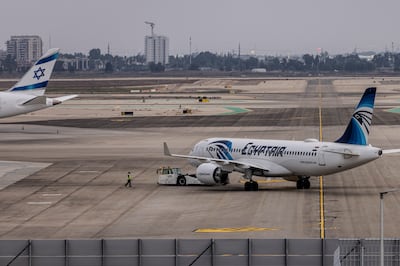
{"x":357,"y":130}
{"x":34,"y":82}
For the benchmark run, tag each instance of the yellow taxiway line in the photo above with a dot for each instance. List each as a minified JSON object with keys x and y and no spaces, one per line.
{"x":233,"y":229}
{"x":321,"y":180}
{"x":268,"y":181}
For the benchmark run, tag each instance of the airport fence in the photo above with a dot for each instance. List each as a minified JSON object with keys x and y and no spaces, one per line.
{"x":366,"y":252}
{"x":204,"y":252}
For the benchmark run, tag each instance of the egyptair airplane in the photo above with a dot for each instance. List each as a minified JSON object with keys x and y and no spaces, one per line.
{"x":27,"y":95}
{"x":295,"y":161}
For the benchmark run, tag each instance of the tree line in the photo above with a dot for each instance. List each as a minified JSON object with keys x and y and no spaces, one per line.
{"x":306,"y":63}
{"x":96,"y":61}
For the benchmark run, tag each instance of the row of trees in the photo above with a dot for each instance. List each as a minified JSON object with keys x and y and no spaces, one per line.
{"x":306,"y":63}
{"x":96,"y":61}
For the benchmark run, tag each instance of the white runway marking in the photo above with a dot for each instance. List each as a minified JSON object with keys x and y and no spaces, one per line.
{"x":39,"y":202}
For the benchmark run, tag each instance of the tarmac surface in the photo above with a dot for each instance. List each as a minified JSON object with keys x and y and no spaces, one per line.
{"x":82,"y":155}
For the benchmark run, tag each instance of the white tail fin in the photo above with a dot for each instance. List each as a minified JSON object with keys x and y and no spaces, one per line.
{"x":35,"y":80}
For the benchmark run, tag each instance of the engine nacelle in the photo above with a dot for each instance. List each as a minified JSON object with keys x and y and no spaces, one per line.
{"x":211,"y":174}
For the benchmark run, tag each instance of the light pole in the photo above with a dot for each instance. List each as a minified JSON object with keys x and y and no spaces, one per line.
{"x":382,"y":249}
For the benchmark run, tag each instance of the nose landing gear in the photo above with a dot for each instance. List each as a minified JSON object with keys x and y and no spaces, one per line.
{"x":303,"y":182}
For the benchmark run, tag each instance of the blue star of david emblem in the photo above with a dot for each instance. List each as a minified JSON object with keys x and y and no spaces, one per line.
{"x":39,"y":73}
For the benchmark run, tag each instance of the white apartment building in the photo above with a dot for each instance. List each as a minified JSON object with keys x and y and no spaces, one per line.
{"x":156,"y":49}
{"x":25,"y":49}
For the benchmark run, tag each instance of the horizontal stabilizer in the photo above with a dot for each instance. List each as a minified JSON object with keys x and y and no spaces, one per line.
{"x":36,"y":100}
{"x":391,"y":151}
{"x":43,"y":100}
{"x":63,"y":98}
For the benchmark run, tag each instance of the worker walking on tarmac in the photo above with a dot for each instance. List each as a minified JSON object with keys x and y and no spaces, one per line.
{"x":129,"y":180}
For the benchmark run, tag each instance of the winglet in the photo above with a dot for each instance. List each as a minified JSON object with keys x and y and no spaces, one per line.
{"x":166,"y":150}
{"x":357,"y":130}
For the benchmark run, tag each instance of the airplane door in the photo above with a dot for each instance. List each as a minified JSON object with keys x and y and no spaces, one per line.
{"x":321,"y":158}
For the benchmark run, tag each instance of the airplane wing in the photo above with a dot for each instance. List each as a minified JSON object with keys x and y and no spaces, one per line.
{"x":207,"y":159}
{"x":255,"y":164}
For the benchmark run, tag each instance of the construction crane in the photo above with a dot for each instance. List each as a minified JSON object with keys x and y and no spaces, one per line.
{"x":152,"y":24}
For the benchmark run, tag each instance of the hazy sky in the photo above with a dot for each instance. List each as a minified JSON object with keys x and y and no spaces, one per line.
{"x":265,"y":26}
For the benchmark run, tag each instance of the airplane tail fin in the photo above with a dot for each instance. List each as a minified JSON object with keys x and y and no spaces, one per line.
{"x":357,"y":130}
{"x":35,"y":80}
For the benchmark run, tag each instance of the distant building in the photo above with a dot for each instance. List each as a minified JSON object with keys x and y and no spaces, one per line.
{"x":3,"y":54}
{"x":258,"y":70}
{"x":156,"y":49}
{"x":26,"y":49}
{"x":79,"y":63}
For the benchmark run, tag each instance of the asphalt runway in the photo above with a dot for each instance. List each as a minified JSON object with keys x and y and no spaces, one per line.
{"x":256,"y":117}
{"x":82,"y":194}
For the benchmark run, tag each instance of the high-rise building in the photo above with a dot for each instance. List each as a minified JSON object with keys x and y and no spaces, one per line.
{"x":156,"y":49}
{"x":25,"y":49}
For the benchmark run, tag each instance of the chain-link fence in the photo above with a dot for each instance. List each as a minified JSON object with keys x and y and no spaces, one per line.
{"x":366,"y":252}
{"x":204,"y":252}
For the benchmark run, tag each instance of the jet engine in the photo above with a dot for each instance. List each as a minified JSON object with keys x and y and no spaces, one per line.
{"x":211,"y":174}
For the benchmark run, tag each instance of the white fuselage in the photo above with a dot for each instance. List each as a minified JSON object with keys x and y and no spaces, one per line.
{"x":12,"y":104}
{"x":284,"y":158}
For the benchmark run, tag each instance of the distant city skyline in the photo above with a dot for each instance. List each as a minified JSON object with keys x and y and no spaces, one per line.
{"x":267,"y":27}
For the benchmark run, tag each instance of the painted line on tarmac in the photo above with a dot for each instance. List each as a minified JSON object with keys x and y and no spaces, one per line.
{"x":394,"y":110}
{"x":262,"y":181}
{"x":88,"y":171}
{"x":234,"y":230}
{"x":321,"y":204}
{"x":51,"y":194}
{"x":235,"y":110}
{"x":321,"y":180}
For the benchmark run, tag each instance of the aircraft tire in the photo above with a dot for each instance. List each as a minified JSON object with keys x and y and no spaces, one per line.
{"x":307,"y":184}
{"x":251,"y":186}
{"x":255,"y":186}
{"x":300,"y":184}
{"x":181,"y":181}
{"x":303,"y":183}
{"x":247,"y":186}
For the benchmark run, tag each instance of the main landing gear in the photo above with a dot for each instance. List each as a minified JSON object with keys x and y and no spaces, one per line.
{"x":250,"y":185}
{"x":303,"y":182}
